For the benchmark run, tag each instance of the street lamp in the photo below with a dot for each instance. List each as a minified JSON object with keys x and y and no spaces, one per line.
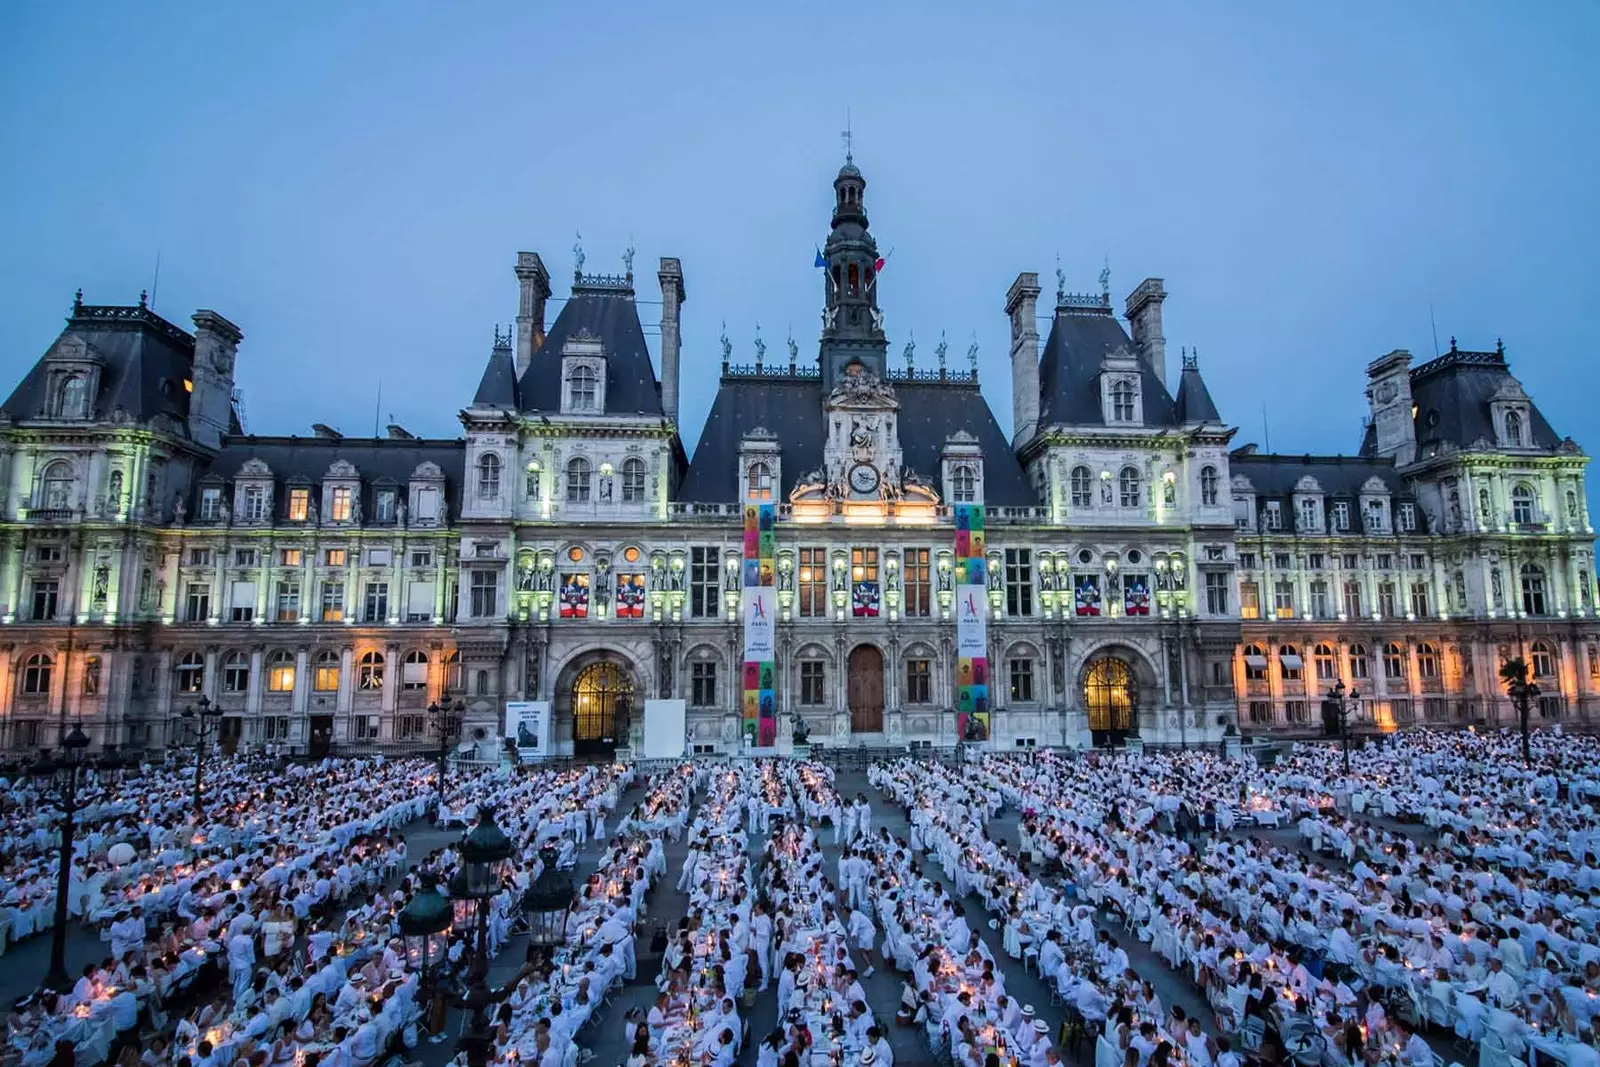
{"x":484,"y":852}
{"x":1336,"y":712}
{"x":206,"y":719}
{"x":61,"y":774}
{"x":425,"y":927}
{"x":547,"y":903}
{"x":446,"y":722}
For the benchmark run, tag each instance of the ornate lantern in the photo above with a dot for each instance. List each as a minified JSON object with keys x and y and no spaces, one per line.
{"x":425,"y":925}
{"x":547,"y":903}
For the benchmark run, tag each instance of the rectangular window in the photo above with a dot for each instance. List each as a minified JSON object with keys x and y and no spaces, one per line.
{"x":299,"y":504}
{"x":1283,"y":599}
{"x":812,"y":682}
{"x":384,"y":506}
{"x":919,"y":681}
{"x":1295,"y":712}
{"x":339,"y":504}
{"x":1419,"y":600}
{"x":419,"y":602}
{"x":1385,"y":561}
{"x":1408,"y":518}
{"x":485,"y":594}
{"x":1386,"y":600}
{"x":813,"y":582}
{"x":421,"y":557}
{"x":918,"y":582}
{"x":703,"y":685}
{"x":1419,"y":562}
{"x":427,"y":505}
{"x":1247,"y":560}
{"x":1260,"y":713}
{"x":47,"y":554}
{"x":366,"y":727}
{"x":1341,"y":517}
{"x":336,"y":557}
{"x":1319,"y":600}
{"x":1019,"y":582}
{"x":1316,"y":561}
{"x":1401,"y":710}
{"x":275,"y":728}
{"x":242,"y":602}
{"x":197,"y":602}
{"x":1022,"y":681}
{"x":380,"y":557}
{"x":291,"y":557}
{"x":44,"y":599}
{"x":210,"y":504}
{"x":1274,"y":515}
{"x":1216,"y":593}
{"x":1281,"y":561}
{"x":704,"y":583}
{"x":332,"y":601}
{"x":1351,"y":561}
{"x":199,"y":557}
{"x":288,"y":601}
{"x":244,"y":557}
{"x":375,"y":606}
{"x":1352,"y":600}
{"x":1249,"y":600}
{"x":253,"y":508}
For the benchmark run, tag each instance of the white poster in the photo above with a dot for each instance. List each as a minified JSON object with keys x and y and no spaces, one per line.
{"x":665,"y":729}
{"x":760,"y":616}
{"x":971,"y":608}
{"x":528,"y":723}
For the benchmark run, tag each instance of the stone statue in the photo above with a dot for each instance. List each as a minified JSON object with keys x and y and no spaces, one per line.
{"x":577,"y":254}
{"x":877,"y":319}
{"x":943,"y":347}
{"x":102,"y":584}
{"x":525,"y":576}
{"x":799,"y":731}
{"x":761,"y":346}
{"x":627,"y":260}
{"x":179,"y":511}
{"x":1061,"y":281}
{"x":911,"y":353}
{"x":829,"y":317}
{"x":311,"y":510}
{"x":727,"y":345}
{"x":401,"y":513}
{"x":794,"y":351}
{"x":860,"y":434}
{"x":972,"y":355}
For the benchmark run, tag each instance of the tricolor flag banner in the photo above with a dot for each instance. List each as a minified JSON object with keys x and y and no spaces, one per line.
{"x":575,"y":596}
{"x":630,"y":596}
{"x":1135,"y":594}
{"x":864,"y":600}
{"x":1086,"y":594}
{"x":971,"y":604}
{"x":760,"y":609}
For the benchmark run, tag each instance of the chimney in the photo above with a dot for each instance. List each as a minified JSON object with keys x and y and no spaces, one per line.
{"x":672,"y":297}
{"x":216,"y":347}
{"x":399,"y":433}
{"x":326,"y":432}
{"x":1144,"y":316}
{"x":533,"y":289}
{"x":1394,"y":427}
{"x":1022,"y":301}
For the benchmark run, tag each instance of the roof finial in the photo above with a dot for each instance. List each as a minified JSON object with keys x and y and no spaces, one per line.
{"x":1191,"y":358}
{"x":727,"y":345}
{"x":911,"y":350}
{"x":144,"y":297}
{"x":1061,"y":281}
{"x":1105,"y":280}
{"x":1499,"y":346}
{"x":944,"y":347}
{"x":1452,"y":342}
{"x":577,"y":255}
{"x":972,"y":353}
{"x":849,"y":138}
{"x":627,"y":258}
{"x":761,"y":347}
{"x":77,"y":301}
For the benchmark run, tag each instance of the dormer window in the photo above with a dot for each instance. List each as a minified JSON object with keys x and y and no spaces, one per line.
{"x":583,"y":377}
{"x":1274,"y":515}
{"x":384,"y":505}
{"x":211,"y":503}
{"x":1514,"y":436}
{"x":253,"y":503}
{"x":340,"y":504}
{"x":73,"y":400}
{"x":759,"y":482}
{"x":1341,"y":517}
{"x":299,"y":504}
{"x":585,"y":390}
{"x":1122,"y":402}
{"x":963,"y":485}
{"x":1308,"y":515}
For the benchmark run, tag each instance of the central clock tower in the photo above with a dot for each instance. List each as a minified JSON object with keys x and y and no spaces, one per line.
{"x":862,"y":454}
{"x":852,"y":324}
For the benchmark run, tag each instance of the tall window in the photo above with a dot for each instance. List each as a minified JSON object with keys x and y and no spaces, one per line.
{"x":1327,"y":663}
{"x":376,"y":602}
{"x":1019,"y":581}
{"x":703,"y":583}
{"x":299,"y":504}
{"x":759,"y":485}
{"x":254,"y":507}
{"x":919,"y":681}
{"x":56,"y":486}
{"x":1283,"y":599}
{"x":633,"y":480}
{"x":1532,"y":589}
{"x":485,"y":591}
{"x":1360,"y":662}
{"x":332,"y":601}
{"x":1394,"y":662}
{"x":280,"y":672}
{"x":36,"y":672}
{"x":814,"y":582}
{"x":1386,"y":600}
{"x":1290,"y":664}
{"x":197,"y":602}
{"x":414,"y":670}
{"x":813,"y":682}
{"x":1022,"y":681}
{"x":703,"y":684}
{"x":1255,"y":664}
{"x":190,"y":673}
{"x":1208,"y":486}
{"x":1122,"y":402}
{"x":1427,"y":660}
{"x":325,"y":674}
{"x":1419,"y":599}
{"x":1408,"y":518}
{"x":489,"y":477}
{"x":1216,"y":593}
{"x":1341,"y":517}
{"x":45,"y":592}
{"x":1308,"y":515}
{"x":369,"y":671}
{"x":1522,"y":504}
{"x":1249,"y":600}
{"x":918,"y":582}
{"x":1544,"y":660}
{"x":1319,"y":599}
{"x":288,"y":601}
{"x":585,"y":389}
{"x":1352,"y":600}
{"x":1513,"y":428}
{"x":579,"y":478}
{"x":384,"y":505}
{"x":74,"y":397}
{"x":235,"y":673}
{"x":1082,"y":488}
{"x":1128,"y":488}
{"x":1273,"y":515}
{"x":963,"y":484}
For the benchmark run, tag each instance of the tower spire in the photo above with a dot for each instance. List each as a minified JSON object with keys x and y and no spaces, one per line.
{"x":852,"y":324}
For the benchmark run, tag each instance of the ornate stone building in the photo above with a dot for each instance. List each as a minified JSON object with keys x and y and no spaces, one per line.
{"x":1143,"y":578}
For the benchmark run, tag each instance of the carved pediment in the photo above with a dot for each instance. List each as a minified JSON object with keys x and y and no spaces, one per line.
{"x":342,"y":469}
{"x":71,"y":348}
{"x":427,"y":472}
{"x":254,"y":468}
{"x":1374,"y":486}
{"x":862,"y":390}
{"x":1307,"y":484}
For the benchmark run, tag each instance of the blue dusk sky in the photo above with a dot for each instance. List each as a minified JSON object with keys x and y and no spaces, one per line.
{"x":350,"y":183}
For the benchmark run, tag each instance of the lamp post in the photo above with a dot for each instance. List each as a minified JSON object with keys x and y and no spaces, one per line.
{"x":206,"y":718}
{"x":546,"y":905}
{"x":425,"y":926}
{"x":484,"y":851}
{"x":61,"y":772}
{"x":1337,"y":710}
{"x":446,"y":722}
{"x":1523,"y":691}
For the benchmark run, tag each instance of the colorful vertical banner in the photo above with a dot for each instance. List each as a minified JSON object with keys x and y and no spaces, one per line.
{"x":1135,"y":594}
{"x":630,"y":596}
{"x":760,"y":606}
{"x":574,"y":596}
{"x":972,"y":609}
{"x":1086,"y":594}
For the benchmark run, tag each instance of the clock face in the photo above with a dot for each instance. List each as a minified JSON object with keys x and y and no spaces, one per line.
{"x":863,"y":478}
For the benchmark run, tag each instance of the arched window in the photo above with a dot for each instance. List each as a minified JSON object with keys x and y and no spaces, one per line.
{"x":855,"y":279}
{"x":1544,"y":660}
{"x":1360,"y":662}
{"x":1522,"y":500}
{"x":1082,"y":488}
{"x":1289,"y":662}
{"x":1208,"y":485}
{"x":325,"y":671}
{"x":759,"y":485}
{"x":369,"y":671}
{"x":579,"y":477}
{"x":280,"y":672}
{"x":56,"y":485}
{"x":1427,"y":660}
{"x":489,"y":477}
{"x":483,"y":683}
{"x":963,"y":484}
{"x":1533,"y":589}
{"x":1327,"y":662}
{"x":633,"y":481}
{"x":1255,"y":663}
{"x":1122,"y":402}
{"x":414,"y":670}
{"x":190,"y":673}
{"x":236,"y":673}
{"x":584,"y":389}
{"x":1128,"y":487}
{"x":1513,"y":429}
{"x":1394,"y":662}
{"x":452,"y":672}
{"x":74,"y":398}
{"x":36,"y":670}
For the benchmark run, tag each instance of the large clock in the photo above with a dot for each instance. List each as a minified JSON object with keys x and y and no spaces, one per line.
{"x":863,"y":478}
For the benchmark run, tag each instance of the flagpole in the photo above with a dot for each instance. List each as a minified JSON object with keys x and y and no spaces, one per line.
{"x":879,"y":271}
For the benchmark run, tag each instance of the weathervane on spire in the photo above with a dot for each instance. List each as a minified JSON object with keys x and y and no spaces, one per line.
{"x":849,"y":138}
{"x":577,"y":254}
{"x":1061,"y":281}
{"x":1105,"y":279}
{"x":627,"y":258}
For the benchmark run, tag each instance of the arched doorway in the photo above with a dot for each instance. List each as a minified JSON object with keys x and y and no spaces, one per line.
{"x":602,"y":708}
{"x":1111,"y":696}
{"x":864,"y":690}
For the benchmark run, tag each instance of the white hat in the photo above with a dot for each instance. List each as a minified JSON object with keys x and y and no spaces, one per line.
{"x":1040,"y":1026}
{"x":1028,"y":1012}
{"x":868,"y":1057}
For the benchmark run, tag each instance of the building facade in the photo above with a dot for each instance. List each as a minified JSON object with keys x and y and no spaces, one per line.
{"x":1145,"y":576}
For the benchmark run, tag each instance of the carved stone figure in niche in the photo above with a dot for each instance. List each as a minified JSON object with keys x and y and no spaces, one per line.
{"x":1169,"y":494}
{"x":1105,"y":491}
{"x":1498,"y":588}
{"x":862,"y":432}
{"x":400,"y":514}
{"x":605,"y":488}
{"x":179,"y":511}
{"x":664,"y":673}
{"x":525,"y":575}
{"x":102,"y":584}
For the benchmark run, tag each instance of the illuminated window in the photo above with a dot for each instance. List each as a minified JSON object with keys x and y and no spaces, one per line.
{"x":299,"y":504}
{"x":340,"y":507}
{"x":759,"y":482}
{"x":813,"y":582}
{"x":369,"y":671}
{"x":280,"y":672}
{"x":1110,"y":695}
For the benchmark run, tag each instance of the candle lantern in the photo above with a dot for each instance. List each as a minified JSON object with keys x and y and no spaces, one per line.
{"x":547,"y":903}
{"x":425,"y":925}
